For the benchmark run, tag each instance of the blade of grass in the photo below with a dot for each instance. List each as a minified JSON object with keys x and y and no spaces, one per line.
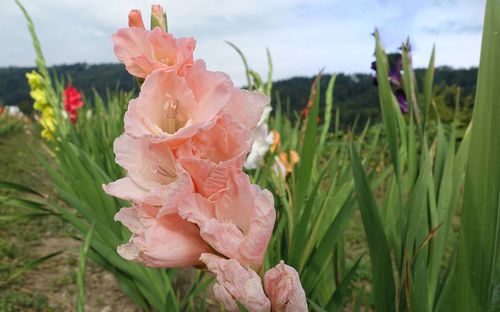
{"x":480,"y":231}
{"x":380,"y":256}
{"x":80,"y":274}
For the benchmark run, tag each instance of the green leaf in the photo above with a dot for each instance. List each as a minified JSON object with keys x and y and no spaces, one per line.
{"x":327,"y":117}
{"x":23,"y":216}
{"x":245,"y":63}
{"x":480,"y":230}
{"x":428,"y":82}
{"x":4,"y":185}
{"x":380,"y":256}
{"x":29,"y":266}
{"x":241,"y":306}
{"x":80,"y":274}
{"x":387,"y":104}
{"x":336,"y":302}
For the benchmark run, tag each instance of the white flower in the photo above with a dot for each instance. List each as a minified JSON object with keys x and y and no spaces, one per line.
{"x":262,"y":140}
{"x":13,"y":111}
{"x":279,"y":167}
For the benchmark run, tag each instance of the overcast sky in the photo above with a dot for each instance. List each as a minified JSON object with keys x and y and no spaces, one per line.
{"x":303,"y":35}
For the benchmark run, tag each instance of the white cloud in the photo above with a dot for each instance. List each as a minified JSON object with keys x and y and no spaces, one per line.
{"x":303,"y":35}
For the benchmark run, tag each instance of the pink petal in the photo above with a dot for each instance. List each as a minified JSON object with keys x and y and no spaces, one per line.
{"x":196,"y":209}
{"x":144,"y":51}
{"x":212,"y":91}
{"x":152,"y":174}
{"x":238,"y":223}
{"x":147,"y":116}
{"x":166,"y":242}
{"x":213,"y":154}
{"x":124,"y":188}
{"x":235,"y":283}
{"x":282,"y":285}
{"x":246,"y":107}
{"x":130,"y":43}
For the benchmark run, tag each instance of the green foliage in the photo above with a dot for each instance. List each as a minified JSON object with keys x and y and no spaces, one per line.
{"x":476,"y":284}
{"x":10,"y":124}
{"x":419,"y":203}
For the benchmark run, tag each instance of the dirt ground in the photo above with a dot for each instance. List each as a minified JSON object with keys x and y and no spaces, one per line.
{"x":52,"y":285}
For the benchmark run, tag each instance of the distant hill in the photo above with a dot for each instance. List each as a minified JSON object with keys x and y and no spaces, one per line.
{"x":354,"y":94}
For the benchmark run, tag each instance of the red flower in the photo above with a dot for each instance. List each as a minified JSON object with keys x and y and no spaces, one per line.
{"x":72,"y":101}
{"x":305,"y":113}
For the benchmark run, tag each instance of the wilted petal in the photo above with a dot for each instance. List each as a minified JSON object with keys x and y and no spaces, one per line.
{"x":235,"y":283}
{"x":282,"y":285}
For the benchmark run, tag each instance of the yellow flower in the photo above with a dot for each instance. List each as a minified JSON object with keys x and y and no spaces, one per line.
{"x":35,"y":80}
{"x":48,"y":123}
{"x":47,"y":120}
{"x":40,"y":99}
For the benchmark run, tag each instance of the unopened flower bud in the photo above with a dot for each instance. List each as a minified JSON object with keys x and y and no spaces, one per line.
{"x":158,"y":17}
{"x":135,"y":19}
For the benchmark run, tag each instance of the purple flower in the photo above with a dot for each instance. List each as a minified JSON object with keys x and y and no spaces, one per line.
{"x":395,"y":79}
{"x":401,"y":97}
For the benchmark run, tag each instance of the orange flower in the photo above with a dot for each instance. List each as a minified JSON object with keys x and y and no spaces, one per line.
{"x":286,"y":162}
{"x":276,"y":141}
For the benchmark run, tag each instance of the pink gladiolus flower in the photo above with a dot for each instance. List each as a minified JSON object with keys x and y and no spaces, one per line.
{"x":152,"y":175}
{"x":235,"y":283}
{"x":72,"y":101}
{"x":283,"y":287}
{"x":238,"y":223}
{"x":135,"y":19}
{"x":213,"y":154}
{"x":166,"y":241}
{"x":172,"y":109}
{"x":144,"y":51}
{"x":246,"y":107}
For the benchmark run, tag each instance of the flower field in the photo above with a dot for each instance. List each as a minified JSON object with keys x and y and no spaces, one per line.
{"x":195,"y":195}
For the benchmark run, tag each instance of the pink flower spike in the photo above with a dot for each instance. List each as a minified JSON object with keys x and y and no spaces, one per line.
{"x":282,"y":285}
{"x":235,"y":283}
{"x":166,"y":242}
{"x":135,"y":19}
{"x":238,"y":222}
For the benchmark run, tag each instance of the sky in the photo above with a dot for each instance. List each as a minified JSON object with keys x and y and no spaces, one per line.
{"x":303,"y":36}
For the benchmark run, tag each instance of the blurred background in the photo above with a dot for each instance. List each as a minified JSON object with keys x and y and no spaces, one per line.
{"x":303,"y":37}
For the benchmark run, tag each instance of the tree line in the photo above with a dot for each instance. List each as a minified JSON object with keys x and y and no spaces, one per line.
{"x":354,"y":94}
